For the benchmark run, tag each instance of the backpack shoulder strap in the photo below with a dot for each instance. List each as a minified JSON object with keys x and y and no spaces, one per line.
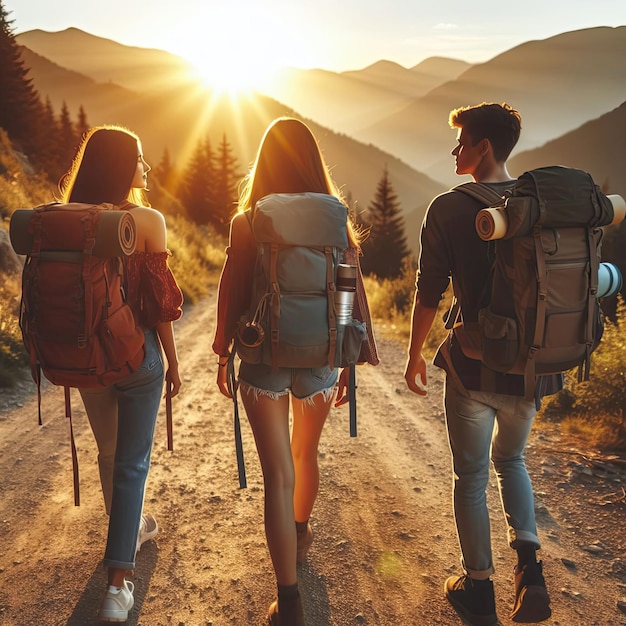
{"x":479,"y":191}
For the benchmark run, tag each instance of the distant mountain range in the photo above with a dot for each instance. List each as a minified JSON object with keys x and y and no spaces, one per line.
{"x":169,"y":110}
{"x":350,"y":101}
{"x":598,"y":147}
{"x":570,"y":90}
{"x":557,"y":84}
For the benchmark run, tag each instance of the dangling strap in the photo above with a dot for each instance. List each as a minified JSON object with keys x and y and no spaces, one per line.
{"x":168,"y":416}
{"x":233,"y":385}
{"x":444,"y":350}
{"x":68,"y":414}
{"x":38,"y":382}
{"x":352,"y":399}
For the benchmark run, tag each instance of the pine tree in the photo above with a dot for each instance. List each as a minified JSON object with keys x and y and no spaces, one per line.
{"x":68,"y":142}
{"x":386,"y":247}
{"x":82,"y":125}
{"x":226,"y":185}
{"x":49,"y":141}
{"x":21,"y":110}
{"x":197,"y":190}
{"x":166,"y":173}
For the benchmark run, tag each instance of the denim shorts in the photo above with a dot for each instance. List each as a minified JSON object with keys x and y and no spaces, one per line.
{"x":301,"y":382}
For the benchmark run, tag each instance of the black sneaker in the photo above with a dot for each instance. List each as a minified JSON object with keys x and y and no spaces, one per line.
{"x":532,"y":602}
{"x":473,"y":600}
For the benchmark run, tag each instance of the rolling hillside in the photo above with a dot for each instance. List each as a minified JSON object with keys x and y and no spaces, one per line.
{"x":106,"y":61}
{"x":597,"y":147}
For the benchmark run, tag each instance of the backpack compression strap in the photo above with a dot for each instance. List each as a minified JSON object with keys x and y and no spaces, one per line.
{"x":89,"y":241}
{"x":592,"y":304}
{"x":274,"y":289}
{"x":332,"y":315}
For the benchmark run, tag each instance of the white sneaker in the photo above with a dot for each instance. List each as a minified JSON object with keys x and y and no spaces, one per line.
{"x":148,"y":529}
{"x":117,"y":602}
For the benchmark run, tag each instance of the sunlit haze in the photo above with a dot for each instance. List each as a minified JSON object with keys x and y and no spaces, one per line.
{"x":237,"y":42}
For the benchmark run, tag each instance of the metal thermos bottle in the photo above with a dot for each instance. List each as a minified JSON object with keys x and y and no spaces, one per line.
{"x":344,"y":296}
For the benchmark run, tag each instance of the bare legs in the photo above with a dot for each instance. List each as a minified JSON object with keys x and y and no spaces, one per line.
{"x":308,"y":420}
{"x":269,"y":419}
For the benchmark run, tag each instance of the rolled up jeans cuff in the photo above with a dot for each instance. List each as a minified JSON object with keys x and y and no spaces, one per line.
{"x":517,"y":537}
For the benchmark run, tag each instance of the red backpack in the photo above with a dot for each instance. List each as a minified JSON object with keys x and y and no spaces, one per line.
{"x":75,"y":323}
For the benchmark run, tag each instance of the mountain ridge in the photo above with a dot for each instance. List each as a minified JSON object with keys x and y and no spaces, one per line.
{"x":177,"y":119}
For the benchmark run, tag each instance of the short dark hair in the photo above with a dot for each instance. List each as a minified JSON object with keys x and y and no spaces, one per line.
{"x":499,"y":123}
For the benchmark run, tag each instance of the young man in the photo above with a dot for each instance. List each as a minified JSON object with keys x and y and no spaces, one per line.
{"x":450,"y":248}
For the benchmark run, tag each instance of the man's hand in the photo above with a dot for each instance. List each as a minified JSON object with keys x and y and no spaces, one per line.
{"x":416,"y":367}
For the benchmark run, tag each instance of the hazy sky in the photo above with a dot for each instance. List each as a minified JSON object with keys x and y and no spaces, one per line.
{"x":331,"y":34}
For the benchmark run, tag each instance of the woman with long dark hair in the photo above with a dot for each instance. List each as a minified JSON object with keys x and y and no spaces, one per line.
{"x":109,"y":167}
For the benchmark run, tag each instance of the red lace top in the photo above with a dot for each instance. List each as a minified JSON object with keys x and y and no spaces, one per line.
{"x":153,"y":294}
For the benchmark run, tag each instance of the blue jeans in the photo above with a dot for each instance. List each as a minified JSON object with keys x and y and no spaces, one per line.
{"x":122,"y":418}
{"x":479,"y":426}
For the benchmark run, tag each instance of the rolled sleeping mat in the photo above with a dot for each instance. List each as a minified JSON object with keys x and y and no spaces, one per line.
{"x":609,"y":280}
{"x":491,"y":223}
{"x":619,"y":208}
{"x":116,"y":233}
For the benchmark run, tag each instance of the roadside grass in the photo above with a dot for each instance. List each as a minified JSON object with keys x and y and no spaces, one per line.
{"x":594,"y":410}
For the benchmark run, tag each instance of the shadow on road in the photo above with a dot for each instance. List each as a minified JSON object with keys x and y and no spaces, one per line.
{"x":85,"y":613}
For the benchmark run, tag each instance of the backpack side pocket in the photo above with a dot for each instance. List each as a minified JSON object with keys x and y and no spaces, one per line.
{"x":350,"y":339}
{"x":500,"y":340}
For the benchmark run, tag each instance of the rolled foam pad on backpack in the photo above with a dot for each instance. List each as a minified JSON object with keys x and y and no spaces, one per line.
{"x":116,"y":233}
{"x":619,"y":208}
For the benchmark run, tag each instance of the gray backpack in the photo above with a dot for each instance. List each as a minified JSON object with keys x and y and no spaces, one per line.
{"x":292,"y":318}
{"x":542,"y":314}
{"x":291,"y":321}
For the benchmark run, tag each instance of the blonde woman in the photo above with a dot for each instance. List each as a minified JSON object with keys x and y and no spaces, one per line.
{"x":289,"y":161}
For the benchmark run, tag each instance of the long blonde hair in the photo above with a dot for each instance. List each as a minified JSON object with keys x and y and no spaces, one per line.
{"x":289,"y":160}
{"x":103,"y":168}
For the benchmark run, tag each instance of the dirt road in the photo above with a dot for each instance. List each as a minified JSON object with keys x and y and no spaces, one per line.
{"x":385,"y":539}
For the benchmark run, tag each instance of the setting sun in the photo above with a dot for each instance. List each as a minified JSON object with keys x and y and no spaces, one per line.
{"x":232,"y":75}
{"x":236,"y":48}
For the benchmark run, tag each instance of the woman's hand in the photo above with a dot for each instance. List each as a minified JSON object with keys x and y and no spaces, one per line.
{"x":173,"y":381}
{"x":342,"y":387}
{"x":222,"y":379}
